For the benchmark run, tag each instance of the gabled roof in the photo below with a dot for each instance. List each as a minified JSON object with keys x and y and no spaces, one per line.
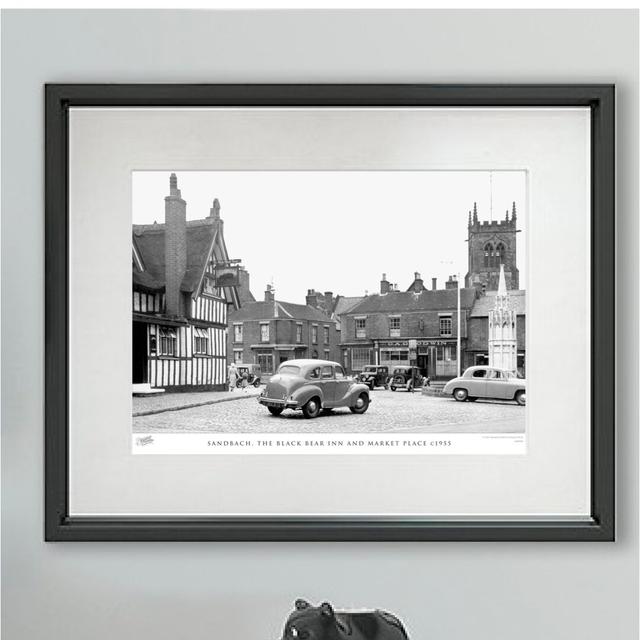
{"x":427,"y":300}
{"x":277,"y":309}
{"x":484,"y":304}
{"x":344,"y":304}
{"x":148,"y":239}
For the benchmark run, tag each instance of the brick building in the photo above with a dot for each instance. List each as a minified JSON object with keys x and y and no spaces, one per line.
{"x":272,"y":331}
{"x":413,"y":327}
{"x":418,"y":326}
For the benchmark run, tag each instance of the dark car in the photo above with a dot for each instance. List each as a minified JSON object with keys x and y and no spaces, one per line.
{"x":253,"y":374}
{"x":313,"y":386}
{"x":405,"y":378}
{"x":374,"y":375}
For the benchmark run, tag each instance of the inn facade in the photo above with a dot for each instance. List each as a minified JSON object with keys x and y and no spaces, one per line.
{"x":184,"y":285}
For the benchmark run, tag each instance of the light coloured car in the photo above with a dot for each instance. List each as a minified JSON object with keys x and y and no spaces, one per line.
{"x":313,"y":386}
{"x":487,"y":382}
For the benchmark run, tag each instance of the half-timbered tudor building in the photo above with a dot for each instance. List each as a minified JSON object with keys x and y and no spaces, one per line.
{"x":180,"y":299}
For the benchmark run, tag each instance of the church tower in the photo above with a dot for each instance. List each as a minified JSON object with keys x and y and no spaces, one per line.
{"x":492,"y":245}
{"x":503,"y":353}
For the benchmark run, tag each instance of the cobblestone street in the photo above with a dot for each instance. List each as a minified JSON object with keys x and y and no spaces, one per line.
{"x":399,"y":412}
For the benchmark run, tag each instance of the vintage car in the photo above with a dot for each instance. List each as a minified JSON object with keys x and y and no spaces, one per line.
{"x":374,"y":375}
{"x":487,"y":382}
{"x":313,"y":386}
{"x":405,"y":378}
{"x":253,"y":374}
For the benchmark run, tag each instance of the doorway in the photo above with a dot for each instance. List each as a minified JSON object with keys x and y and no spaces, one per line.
{"x":139,"y":354}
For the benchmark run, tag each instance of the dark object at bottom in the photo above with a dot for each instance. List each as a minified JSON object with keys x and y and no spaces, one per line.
{"x":323,"y":623}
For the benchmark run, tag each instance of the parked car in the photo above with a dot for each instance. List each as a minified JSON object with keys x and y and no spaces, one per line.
{"x":487,"y":382}
{"x":313,"y":386}
{"x":405,"y":378}
{"x":374,"y":375}
{"x":253,"y":372}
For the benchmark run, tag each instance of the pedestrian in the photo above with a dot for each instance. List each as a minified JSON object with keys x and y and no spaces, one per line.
{"x":233,"y":376}
{"x":245,"y":381}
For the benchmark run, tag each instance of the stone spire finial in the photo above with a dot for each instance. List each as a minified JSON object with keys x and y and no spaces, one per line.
{"x":502,"y":283}
{"x":506,"y":215}
{"x":214,"y":212}
{"x":469,"y":223}
{"x":475,"y":212}
{"x":513,"y":213}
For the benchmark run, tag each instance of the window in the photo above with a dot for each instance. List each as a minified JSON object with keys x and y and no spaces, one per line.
{"x":494,"y":375}
{"x":168,"y":341}
{"x":488,"y":254}
{"x":237,"y":333}
{"x":265,"y":360}
{"x":200,"y":341}
{"x":314,"y":374}
{"x":325,"y":331}
{"x":394,"y":355}
{"x":327,"y":373}
{"x":237,"y":356}
{"x":446,"y":353}
{"x":314,"y":334}
{"x":288,"y":369}
{"x":299,"y":332}
{"x":500,"y":254}
{"x":361,"y":327}
{"x":340,"y":374}
{"x":264,"y":333}
{"x":445,"y":326}
{"x":480,"y":373}
{"x":394,"y":326}
{"x":327,"y":354}
{"x":360,"y":357}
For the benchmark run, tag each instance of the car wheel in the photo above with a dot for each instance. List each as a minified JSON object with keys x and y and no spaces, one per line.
{"x":312,"y":408}
{"x":256,"y":383}
{"x":392,"y":388}
{"x":275,"y":411}
{"x":361,"y":405}
{"x":460,"y":395}
{"x":521,"y":398}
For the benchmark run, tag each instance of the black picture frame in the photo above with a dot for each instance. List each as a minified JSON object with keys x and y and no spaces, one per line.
{"x":59,"y":526}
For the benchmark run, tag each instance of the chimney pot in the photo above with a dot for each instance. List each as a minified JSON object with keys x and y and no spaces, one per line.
{"x":434,"y":283}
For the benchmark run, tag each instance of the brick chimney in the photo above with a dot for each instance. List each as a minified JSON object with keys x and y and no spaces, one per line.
{"x":312,"y":298}
{"x":434,"y":284}
{"x":451,"y":283}
{"x":385,"y":285}
{"x":175,"y":247}
{"x":269,"y":295}
{"x":328,"y":301}
{"x":418,"y":283}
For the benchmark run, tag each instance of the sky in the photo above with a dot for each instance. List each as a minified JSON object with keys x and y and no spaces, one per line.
{"x":340,"y":231}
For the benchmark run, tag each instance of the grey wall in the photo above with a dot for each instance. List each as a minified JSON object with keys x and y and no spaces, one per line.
{"x":442,"y":591}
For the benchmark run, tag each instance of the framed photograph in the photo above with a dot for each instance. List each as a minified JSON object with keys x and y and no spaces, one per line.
{"x":330,"y":312}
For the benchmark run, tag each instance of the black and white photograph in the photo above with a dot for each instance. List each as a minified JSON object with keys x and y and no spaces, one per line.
{"x":358,"y":303}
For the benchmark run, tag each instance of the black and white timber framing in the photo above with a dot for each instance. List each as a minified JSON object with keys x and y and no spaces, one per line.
{"x":179,"y":312}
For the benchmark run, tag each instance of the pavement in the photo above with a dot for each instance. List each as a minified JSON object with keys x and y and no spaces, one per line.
{"x":149,"y":405}
{"x":399,"y":412}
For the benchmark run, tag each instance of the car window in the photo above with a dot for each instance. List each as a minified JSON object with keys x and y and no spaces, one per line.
{"x":289,"y":369}
{"x":339,"y":373}
{"x":327,"y":372}
{"x":314,"y":374}
{"x":494,"y":375}
{"x":479,"y":373}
